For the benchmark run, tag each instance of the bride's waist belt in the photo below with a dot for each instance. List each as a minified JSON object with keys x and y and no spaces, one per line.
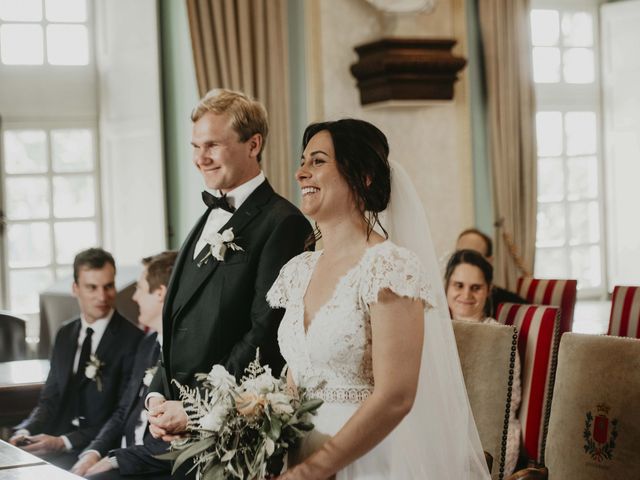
{"x":341,"y":394}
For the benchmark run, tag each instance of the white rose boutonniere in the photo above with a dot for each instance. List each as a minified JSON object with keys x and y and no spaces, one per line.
{"x":93,"y":371}
{"x":149,"y":373}
{"x":218,"y":244}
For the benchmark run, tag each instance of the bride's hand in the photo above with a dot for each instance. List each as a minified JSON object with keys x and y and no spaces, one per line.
{"x":297,"y":473}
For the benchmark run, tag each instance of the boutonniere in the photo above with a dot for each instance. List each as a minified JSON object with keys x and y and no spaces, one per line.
{"x":149,"y":373}
{"x":93,"y":371}
{"x":218,"y":244}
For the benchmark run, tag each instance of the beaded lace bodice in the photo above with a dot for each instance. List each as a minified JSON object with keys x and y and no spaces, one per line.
{"x":334,"y":354}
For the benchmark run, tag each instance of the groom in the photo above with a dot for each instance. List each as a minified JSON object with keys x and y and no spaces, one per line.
{"x":215,"y":310}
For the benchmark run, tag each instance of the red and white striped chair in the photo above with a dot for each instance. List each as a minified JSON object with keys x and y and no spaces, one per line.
{"x":625,"y":312}
{"x":559,"y":293}
{"x":538,"y":335}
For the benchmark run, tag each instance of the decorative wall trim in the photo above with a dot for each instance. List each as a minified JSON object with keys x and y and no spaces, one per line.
{"x":406,"y":69}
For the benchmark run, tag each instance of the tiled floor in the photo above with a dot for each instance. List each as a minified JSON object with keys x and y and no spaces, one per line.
{"x":591,"y":316}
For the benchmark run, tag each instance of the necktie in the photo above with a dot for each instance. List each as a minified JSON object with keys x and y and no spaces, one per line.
{"x":85,"y":353}
{"x":214,"y":202}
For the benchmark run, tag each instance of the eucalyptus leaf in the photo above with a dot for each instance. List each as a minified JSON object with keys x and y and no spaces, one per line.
{"x":228,"y":456}
{"x":214,"y":473}
{"x":309,"y":405}
{"x":192,"y":450}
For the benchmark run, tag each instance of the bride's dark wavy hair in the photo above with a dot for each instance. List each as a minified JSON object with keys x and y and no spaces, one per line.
{"x":362,"y":157}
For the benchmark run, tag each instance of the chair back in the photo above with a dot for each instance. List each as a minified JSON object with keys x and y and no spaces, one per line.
{"x":624,"y":320}
{"x":13,"y":331}
{"x":559,"y":293}
{"x":594,"y":430}
{"x":538,"y":334}
{"x":487,"y":356}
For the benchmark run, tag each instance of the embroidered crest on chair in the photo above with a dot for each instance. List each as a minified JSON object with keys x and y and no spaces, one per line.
{"x":600,"y":434}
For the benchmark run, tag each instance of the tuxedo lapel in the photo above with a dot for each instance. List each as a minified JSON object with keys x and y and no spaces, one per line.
{"x":68,"y":354}
{"x":238,"y":221}
{"x":184,"y":255}
{"x":148,"y":355}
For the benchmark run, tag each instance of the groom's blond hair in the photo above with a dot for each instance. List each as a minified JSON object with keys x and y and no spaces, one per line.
{"x":248,"y":116}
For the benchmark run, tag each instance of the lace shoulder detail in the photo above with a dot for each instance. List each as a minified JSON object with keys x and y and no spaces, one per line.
{"x":290,"y":274}
{"x":397,"y":269}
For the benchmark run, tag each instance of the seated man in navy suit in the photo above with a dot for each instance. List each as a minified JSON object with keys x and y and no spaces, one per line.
{"x":90,"y":367}
{"x":127,"y":428}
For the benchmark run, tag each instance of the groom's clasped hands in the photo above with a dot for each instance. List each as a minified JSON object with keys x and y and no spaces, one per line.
{"x":167,"y":419}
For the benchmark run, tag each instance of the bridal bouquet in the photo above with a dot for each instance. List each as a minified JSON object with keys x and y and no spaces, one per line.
{"x":241,"y":430}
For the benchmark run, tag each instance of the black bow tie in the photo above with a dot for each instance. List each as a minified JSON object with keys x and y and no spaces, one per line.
{"x":212,"y":201}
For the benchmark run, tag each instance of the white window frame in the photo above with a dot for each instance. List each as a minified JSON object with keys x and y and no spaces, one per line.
{"x":47,"y":126}
{"x":563,"y":97}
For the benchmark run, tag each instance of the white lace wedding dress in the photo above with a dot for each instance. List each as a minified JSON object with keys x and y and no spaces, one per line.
{"x":333,"y":358}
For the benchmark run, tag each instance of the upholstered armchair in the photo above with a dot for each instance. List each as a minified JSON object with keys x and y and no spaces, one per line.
{"x":624,"y":320}
{"x":487,"y":356}
{"x":594,"y":429}
{"x":538,"y":333}
{"x":558,"y":293}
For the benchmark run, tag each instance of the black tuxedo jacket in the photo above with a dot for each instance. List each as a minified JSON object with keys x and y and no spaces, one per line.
{"x":62,"y":399}
{"x":135,"y":459}
{"x":125,"y":419}
{"x":217,"y":313}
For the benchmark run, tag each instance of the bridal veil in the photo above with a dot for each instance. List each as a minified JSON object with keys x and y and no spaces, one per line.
{"x":438,"y":439}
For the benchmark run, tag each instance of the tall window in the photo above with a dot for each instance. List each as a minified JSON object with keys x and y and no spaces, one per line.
{"x":49,"y":188}
{"x":37,"y":32}
{"x":569,"y":225}
{"x":50,"y":207}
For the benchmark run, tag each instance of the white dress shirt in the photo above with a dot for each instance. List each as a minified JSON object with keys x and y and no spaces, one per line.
{"x":99,"y":326}
{"x":219,"y":217}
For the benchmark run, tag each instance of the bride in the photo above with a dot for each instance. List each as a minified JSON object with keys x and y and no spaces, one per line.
{"x":366,"y":327}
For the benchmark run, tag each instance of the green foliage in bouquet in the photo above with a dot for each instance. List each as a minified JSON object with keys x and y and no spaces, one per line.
{"x":241,"y":430}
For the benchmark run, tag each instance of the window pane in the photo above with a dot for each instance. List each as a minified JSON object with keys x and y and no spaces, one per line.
{"x":583,"y":178}
{"x":551,"y":263}
{"x":25,"y":151}
{"x":27,"y":198}
{"x":21,"y":10}
{"x":29,"y":245}
{"x":64,"y":272}
{"x":72,"y":150}
{"x":545,"y":27}
{"x":550,"y":179}
{"x":584,"y":222}
{"x":72,"y":237}
{"x":550,"y":225}
{"x":549,"y":133}
{"x":25,"y":287}
{"x":21,"y":44}
{"x":546,"y":64}
{"x":73,"y":196}
{"x":66,"y":10}
{"x":581,"y":133}
{"x":577,"y":29}
{"x":585,"y":266}
{"x":67,"y":45}
{"x":578,"y":65}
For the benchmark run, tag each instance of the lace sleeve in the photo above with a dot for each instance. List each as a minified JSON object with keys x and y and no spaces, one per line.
{"x":278,"y":294}
{"x":400,"y":271}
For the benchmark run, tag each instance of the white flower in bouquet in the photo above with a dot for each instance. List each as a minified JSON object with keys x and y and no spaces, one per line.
{"x":262,"y":384}
{"x":280,"y":403}
{"x":214,"y":420}
{"x":241,"y":430}
{"x":220,"y":379}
